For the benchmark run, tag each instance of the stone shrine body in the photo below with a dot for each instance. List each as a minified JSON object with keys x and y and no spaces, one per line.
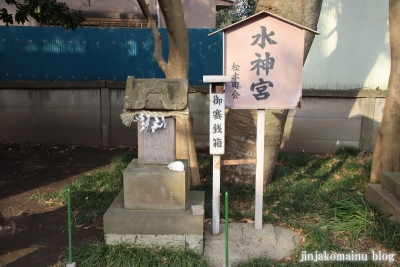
{"x":155,"y":205}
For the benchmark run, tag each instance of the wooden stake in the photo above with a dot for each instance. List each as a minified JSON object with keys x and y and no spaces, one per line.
{"x":259,"y":168}
{"x":216,"y":192}
{"x":238,"y":161}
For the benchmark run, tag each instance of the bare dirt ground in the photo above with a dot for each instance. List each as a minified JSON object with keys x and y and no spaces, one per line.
{"x":28,"y":170}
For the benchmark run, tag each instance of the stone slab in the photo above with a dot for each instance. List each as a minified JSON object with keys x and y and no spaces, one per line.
{"x":199,"y":102}
{"x":314,"y":145}
{"x":157,"y":147}
{"x":391,"y":182}
{"x":322,"y":128}
{"x":167,"y":94}
{"x":194,"y":242}
{"x":117,"y":220}
{"x":126,"y":137}
{"x":368,"y":109}
{"x":383,"y":201}
{"x":245,"y":242}
{"x":339,"y":108}
{"x":51,"y":136}
{"x":52,"y":98}
{"x":155,"y":187}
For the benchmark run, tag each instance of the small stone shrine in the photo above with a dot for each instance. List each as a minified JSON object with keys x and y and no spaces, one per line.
{"x":155,"y":206}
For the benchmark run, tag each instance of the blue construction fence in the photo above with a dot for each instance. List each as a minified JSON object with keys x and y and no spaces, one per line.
{"x":51,"y":54}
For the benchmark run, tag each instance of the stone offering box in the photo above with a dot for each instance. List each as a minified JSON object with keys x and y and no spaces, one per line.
{"x":155,"y":205}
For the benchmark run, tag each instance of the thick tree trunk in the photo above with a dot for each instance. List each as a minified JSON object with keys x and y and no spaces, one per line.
{"x":178,"y":41}
{"x":386,"y":152}
{"x":240,"y":143}
{"x":176,"y":67}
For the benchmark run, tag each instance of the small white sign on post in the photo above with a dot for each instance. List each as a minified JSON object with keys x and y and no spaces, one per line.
{"x":217,"y":124}
{"x":217,"y":139}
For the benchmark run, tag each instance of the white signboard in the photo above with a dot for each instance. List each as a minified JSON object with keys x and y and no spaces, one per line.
{"x":217,"y":124}
{"x":264,"y":57}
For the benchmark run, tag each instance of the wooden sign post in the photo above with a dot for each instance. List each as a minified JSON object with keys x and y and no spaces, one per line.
{"x":217,"y":139}
{"x":263,"y":56}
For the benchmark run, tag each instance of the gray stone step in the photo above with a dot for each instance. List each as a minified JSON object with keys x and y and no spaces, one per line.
{"x":391,"y":182}
{"x":155,"y":187}
{"x":161,"y":228}
{"x":383,"y":201}
{"x":245,"y":242}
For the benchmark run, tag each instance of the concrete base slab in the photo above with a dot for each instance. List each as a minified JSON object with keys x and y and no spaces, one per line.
{"x":391,"y":182}
{"x":155,"y":187}
{"x":383,"y":200}
{"x":118,"y":220}
{"x":155,"y":227}
{"x":72,"y":264}
{"x":194,"y":242}
{"x":245,"y":242}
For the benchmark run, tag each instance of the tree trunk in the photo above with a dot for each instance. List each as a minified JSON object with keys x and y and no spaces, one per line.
{"x":240,"y":143}
{"x":176,"y":67}
{"x":386,"y":151}
{"x":178,"y":41}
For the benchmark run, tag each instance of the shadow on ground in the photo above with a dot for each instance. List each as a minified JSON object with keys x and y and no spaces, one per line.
{"x":27,"y":170}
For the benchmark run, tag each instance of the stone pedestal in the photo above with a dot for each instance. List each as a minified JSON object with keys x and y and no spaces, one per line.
{"x":155,"y":187}
{"x":154,"y":207}
{"x":157,"y":147}
{"x":386,"y":196}
{"x":150,"y":228}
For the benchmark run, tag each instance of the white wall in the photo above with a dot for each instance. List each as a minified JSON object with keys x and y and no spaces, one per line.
{"x":353,"y":49}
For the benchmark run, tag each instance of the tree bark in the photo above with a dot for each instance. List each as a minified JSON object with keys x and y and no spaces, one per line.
{"x":241,"y":143}
{"x":176,"y":67}
{"x":386,"y":151}
{"x":178,"y":40}
{"x":156,"y":35}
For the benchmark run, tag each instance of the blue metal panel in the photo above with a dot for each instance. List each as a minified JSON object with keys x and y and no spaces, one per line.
{"x":49,"y":53}
{"x":205,"y":54}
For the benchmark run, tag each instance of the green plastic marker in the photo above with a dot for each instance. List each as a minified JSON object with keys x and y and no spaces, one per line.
{"x":69,"y":227}
{"x":226,"y":229}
